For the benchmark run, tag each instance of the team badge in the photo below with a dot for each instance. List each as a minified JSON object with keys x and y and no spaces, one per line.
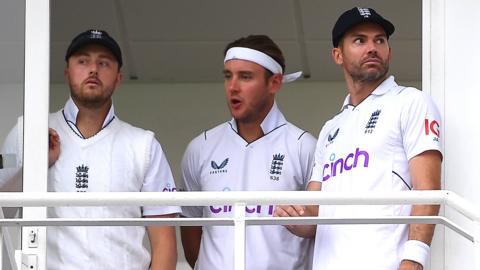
{"x":276,"y":167}
{"x":81,"y":178}
{"x":218,"y":168}
{"x":365,"y":12}
{"x":372,"y":122}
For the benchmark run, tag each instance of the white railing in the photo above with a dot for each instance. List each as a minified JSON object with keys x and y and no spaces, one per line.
{"x":240,"y":200}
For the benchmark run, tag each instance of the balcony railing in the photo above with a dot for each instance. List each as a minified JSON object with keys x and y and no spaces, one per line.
{"x":239,"y":220}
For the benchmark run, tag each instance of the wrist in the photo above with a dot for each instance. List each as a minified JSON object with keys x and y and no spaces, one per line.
{"x":416,"y":251}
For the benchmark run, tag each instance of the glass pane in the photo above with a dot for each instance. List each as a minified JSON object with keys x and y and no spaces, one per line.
{"x":12,"y":21}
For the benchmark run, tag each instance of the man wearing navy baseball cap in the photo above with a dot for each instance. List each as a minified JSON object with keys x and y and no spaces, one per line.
{"x":92,"y":150}
{"x":386,"y":138}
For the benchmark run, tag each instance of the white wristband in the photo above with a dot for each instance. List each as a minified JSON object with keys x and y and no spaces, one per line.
{"x":416,"y":251}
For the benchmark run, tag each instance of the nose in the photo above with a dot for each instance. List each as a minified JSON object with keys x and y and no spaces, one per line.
{"x":93,"y":69}
{"x":372,"y":47}
{"x":231,"y":84}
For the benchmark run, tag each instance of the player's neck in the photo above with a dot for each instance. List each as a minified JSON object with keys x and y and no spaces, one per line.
{"x":90,"y":120}
{"x":249,"y":131}
{"x":360,"y":90}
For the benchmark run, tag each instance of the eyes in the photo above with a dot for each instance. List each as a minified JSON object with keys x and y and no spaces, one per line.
{"x":101,"y":62}
{"x":362,"y":40}
{"x":245,"y":76}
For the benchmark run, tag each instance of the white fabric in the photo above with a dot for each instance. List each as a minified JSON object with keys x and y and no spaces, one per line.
{"x":367,"y":148}
{"x":70,"y":112}
{"x":416,"y":251}
{"x":262,"y":59}
{"x":220,"y":160}
{"x":120,"y":158}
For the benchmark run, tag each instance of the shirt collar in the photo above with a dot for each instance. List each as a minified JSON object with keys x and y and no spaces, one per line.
{"x":273,"y":120}
{"x":383,"y":88}
{"x":70,"y":111}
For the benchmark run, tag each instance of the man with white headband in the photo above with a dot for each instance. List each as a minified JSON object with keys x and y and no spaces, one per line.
{"x":386,"y":138}
{"x":256,"y":150}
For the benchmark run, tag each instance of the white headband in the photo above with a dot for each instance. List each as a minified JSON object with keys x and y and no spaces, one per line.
{"x":262,"y":59}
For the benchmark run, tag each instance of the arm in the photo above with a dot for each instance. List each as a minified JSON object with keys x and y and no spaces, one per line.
{"x":306,"y":231}
{"x":425,"y":171}
{"x":191,"y":238}
{"x":163,"y":245}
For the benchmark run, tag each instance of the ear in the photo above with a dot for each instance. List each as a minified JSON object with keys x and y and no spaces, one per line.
{"x":275,"y":83}
{"x":118,"y":80}
{"x":65,"y":73}
{"x":337,"y":56}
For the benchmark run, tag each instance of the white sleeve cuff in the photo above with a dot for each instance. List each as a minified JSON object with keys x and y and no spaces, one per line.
{"x":416,"y":251}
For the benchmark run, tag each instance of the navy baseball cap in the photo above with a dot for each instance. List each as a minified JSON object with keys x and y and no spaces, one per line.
{"x":355,"y":16}
{"x":97,"y":37}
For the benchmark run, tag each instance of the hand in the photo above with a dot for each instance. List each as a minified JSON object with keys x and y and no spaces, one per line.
{"x":53,"y":146}
{"x":289,"y":211}
{"x":306,"y":231}
{"x":410,"y":265}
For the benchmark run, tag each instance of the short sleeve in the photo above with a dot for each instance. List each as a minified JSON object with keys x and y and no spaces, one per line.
{"x":317,"y":171}
{"x":307,"y":152}
{"x":158,"y":178}
{"x":190,"y":176}
{"x":12,"y":159}
{"x":420,"y":125}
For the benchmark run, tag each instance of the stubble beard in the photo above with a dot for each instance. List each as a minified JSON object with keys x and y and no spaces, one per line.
{"x":89,"y":101}
{"x":364,"y":76}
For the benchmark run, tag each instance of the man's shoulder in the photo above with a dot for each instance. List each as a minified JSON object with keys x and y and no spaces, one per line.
{"x":129,"y":129}
{"x":213,"y":134}
{"x":301,"y":135}
{"x":408,"y":96}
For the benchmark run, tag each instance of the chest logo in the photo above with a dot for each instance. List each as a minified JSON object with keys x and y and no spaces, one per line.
{"x":81,"y":178}
{"x":276,"y":167}
{"x":218,"y":168}
{"x":332,"y":137}
{"x":372,"y":122}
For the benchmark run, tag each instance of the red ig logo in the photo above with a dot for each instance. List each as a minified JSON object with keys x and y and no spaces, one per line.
{"x":432,"y":127}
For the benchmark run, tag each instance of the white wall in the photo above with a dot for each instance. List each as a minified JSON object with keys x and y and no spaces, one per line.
{"x":462,"y":130}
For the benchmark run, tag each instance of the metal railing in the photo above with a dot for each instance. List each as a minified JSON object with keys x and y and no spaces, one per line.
{"x":239,"y":219}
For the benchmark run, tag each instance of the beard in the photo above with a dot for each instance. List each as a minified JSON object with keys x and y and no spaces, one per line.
{"x":363,"y":75}
{"x":90,"y":100}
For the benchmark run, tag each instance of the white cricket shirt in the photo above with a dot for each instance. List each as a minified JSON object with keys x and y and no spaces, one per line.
{"x":120,"y":158}
{"x":367,"y":148}
{"x":221,"y":160}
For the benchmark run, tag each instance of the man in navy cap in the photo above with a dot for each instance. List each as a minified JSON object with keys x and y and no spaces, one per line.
{"x":92,"y":150}
{"x":386,"y":138}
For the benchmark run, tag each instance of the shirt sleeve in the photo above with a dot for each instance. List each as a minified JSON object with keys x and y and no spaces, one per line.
{"x":12,"y":160}
{"x":317,"y":171}
{"x":158,"y":178}
{"x":190,"y":176}
{"x":307,"y":152}
{"x":420,"y":124}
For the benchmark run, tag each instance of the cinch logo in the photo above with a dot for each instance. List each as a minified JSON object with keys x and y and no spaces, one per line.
{"x":258,"y":209}
{"x":433,"y":127}
{"x":349,"y":162}
{"x":248,"y":209}
{"x":169,"y":188}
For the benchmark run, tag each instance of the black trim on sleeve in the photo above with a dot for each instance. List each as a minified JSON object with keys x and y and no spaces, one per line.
{"x":301,"y":135}
{"x":205,"y":134}
{"x":410,"y":188}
